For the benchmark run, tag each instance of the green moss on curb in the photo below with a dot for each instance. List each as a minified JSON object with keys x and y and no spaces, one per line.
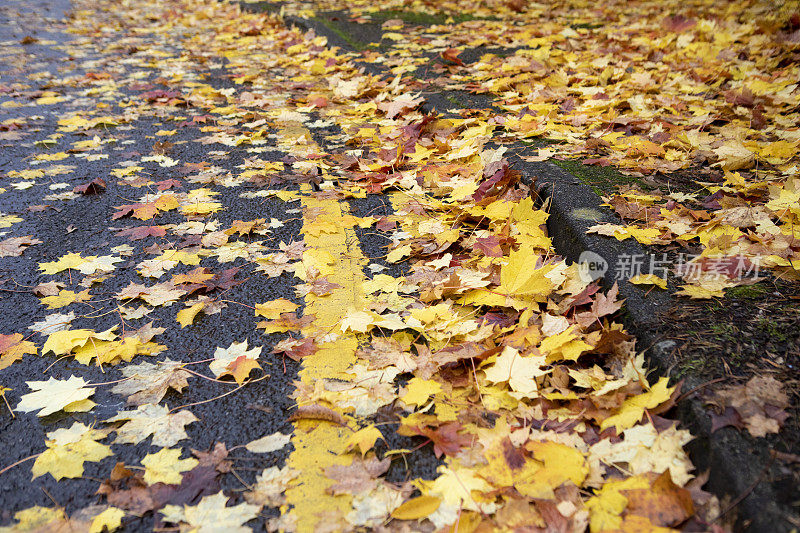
{"x":747,"y":292}
{"x":585,"y":26}
{"x":419,"y":18}
{"x":357,"y":45}
{"x":602,"y":180}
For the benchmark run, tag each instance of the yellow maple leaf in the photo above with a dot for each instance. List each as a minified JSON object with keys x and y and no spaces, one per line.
{"x":358,"y":321}
{"x":274,"y":309}
{"x":58,"y":156}
{"x":49,"y":100}
{"x":608,"y":504}
{"x":315,"y":263}
{"x":237,"y":351}
{"x":70,"y":260}
{"x":364,"y":439}
{"x":36,"y":517}
{"x":68,"y":449}
{"x":166,"y":466}
{"x":240,"y":368}
{"x":212,"y":514}
{"x":702,"y":291}
{"x":457,"y":487}
{"x":186,"y":316}
{"x":649,"y":279}
{"x":201,"y":208}
{"x":166,"y":202}
{"x":6,"y":221}
{"x":399,"y":253}
{"x":633,"y":408}
{"x":419,"y":390}
{"x":565,"y":345}
{"x":63,"y":342}
{"x":520,"y":278}
{"x":269,"y":443}
{"x":65,"y":298}
{"x":500,"y":471}
{"x":13,"y":347}
{"x":107,"y":520}
{"x":560,"y":463}
{"x":519,"y":371}
{"x":166,"y":428}
{"x":54,"y":395}
{"x":114,"y":352}
{"x":733,"y":155}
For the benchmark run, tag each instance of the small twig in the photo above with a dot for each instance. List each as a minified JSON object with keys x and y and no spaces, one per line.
{"x":198,"y":374}
{"x":220,"y":396}
{"x":5,"y":400}
{"x":110,"y":382}
{"x":9,"y":467}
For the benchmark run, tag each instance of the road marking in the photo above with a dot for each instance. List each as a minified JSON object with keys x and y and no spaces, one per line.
{"x":319,"y":445}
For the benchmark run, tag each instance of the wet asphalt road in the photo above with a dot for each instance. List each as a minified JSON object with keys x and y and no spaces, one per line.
{"x":84,"y":225}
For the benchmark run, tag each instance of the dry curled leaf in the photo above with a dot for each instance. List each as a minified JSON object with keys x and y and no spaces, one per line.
{"x":317,"y":412}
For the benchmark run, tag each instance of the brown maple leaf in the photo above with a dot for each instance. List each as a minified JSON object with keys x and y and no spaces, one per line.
{"x":489,"y":246}
{"x":240,"y":368}
{"x":142,"y":232}
{"x":217,"y":457}
{"x":14,"y":246}
{"x":446,"y":438}
{"x":96,"y":186}
{"x":286,"y":322}
{"x":319,"y":286}
{"x":148,"y":382}
{"x":197,"y":276}
{"x":664,"y":503}
{"x":451,"y":56}
{"x":13,"y":347}
{"x":224,"y":280}
{"x":164,"y":185}
{"x":296,"y":349}
{"x":358,"y":477}
{"x":50,"y":288}
{"x":127,"y":489}
{"x":603,"y":305}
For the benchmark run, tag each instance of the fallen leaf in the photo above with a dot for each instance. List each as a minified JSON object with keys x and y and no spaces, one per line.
{"x":212,"y":514}
{"x":53,"y":395}
{"x":68,"y":449}
{"x":147,"y":383}
{"x":13,"y":347}
{"x":14,"y":246}
{"x":417,"y":508}
{"x":363,"y":439}
{"x":166,"y":427}
{"x":269,"y":443}
{"x":166,"y":466}
{"x":317,"y":412}
{"x":225,"y":357}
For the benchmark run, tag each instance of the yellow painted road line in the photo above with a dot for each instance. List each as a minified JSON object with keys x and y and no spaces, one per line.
{"x":320,"y":444}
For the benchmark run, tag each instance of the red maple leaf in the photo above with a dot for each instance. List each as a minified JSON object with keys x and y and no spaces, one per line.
{"x":142,"y":232}
{"x":96,"y":186}
{"x":446,"y":438}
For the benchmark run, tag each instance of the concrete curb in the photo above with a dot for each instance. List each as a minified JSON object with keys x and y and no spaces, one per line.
{"x":738,"y":463}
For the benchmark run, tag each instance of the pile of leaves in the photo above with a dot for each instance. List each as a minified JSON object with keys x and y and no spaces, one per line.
{"x":650,"y":88}
{"x":469,"y":339}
